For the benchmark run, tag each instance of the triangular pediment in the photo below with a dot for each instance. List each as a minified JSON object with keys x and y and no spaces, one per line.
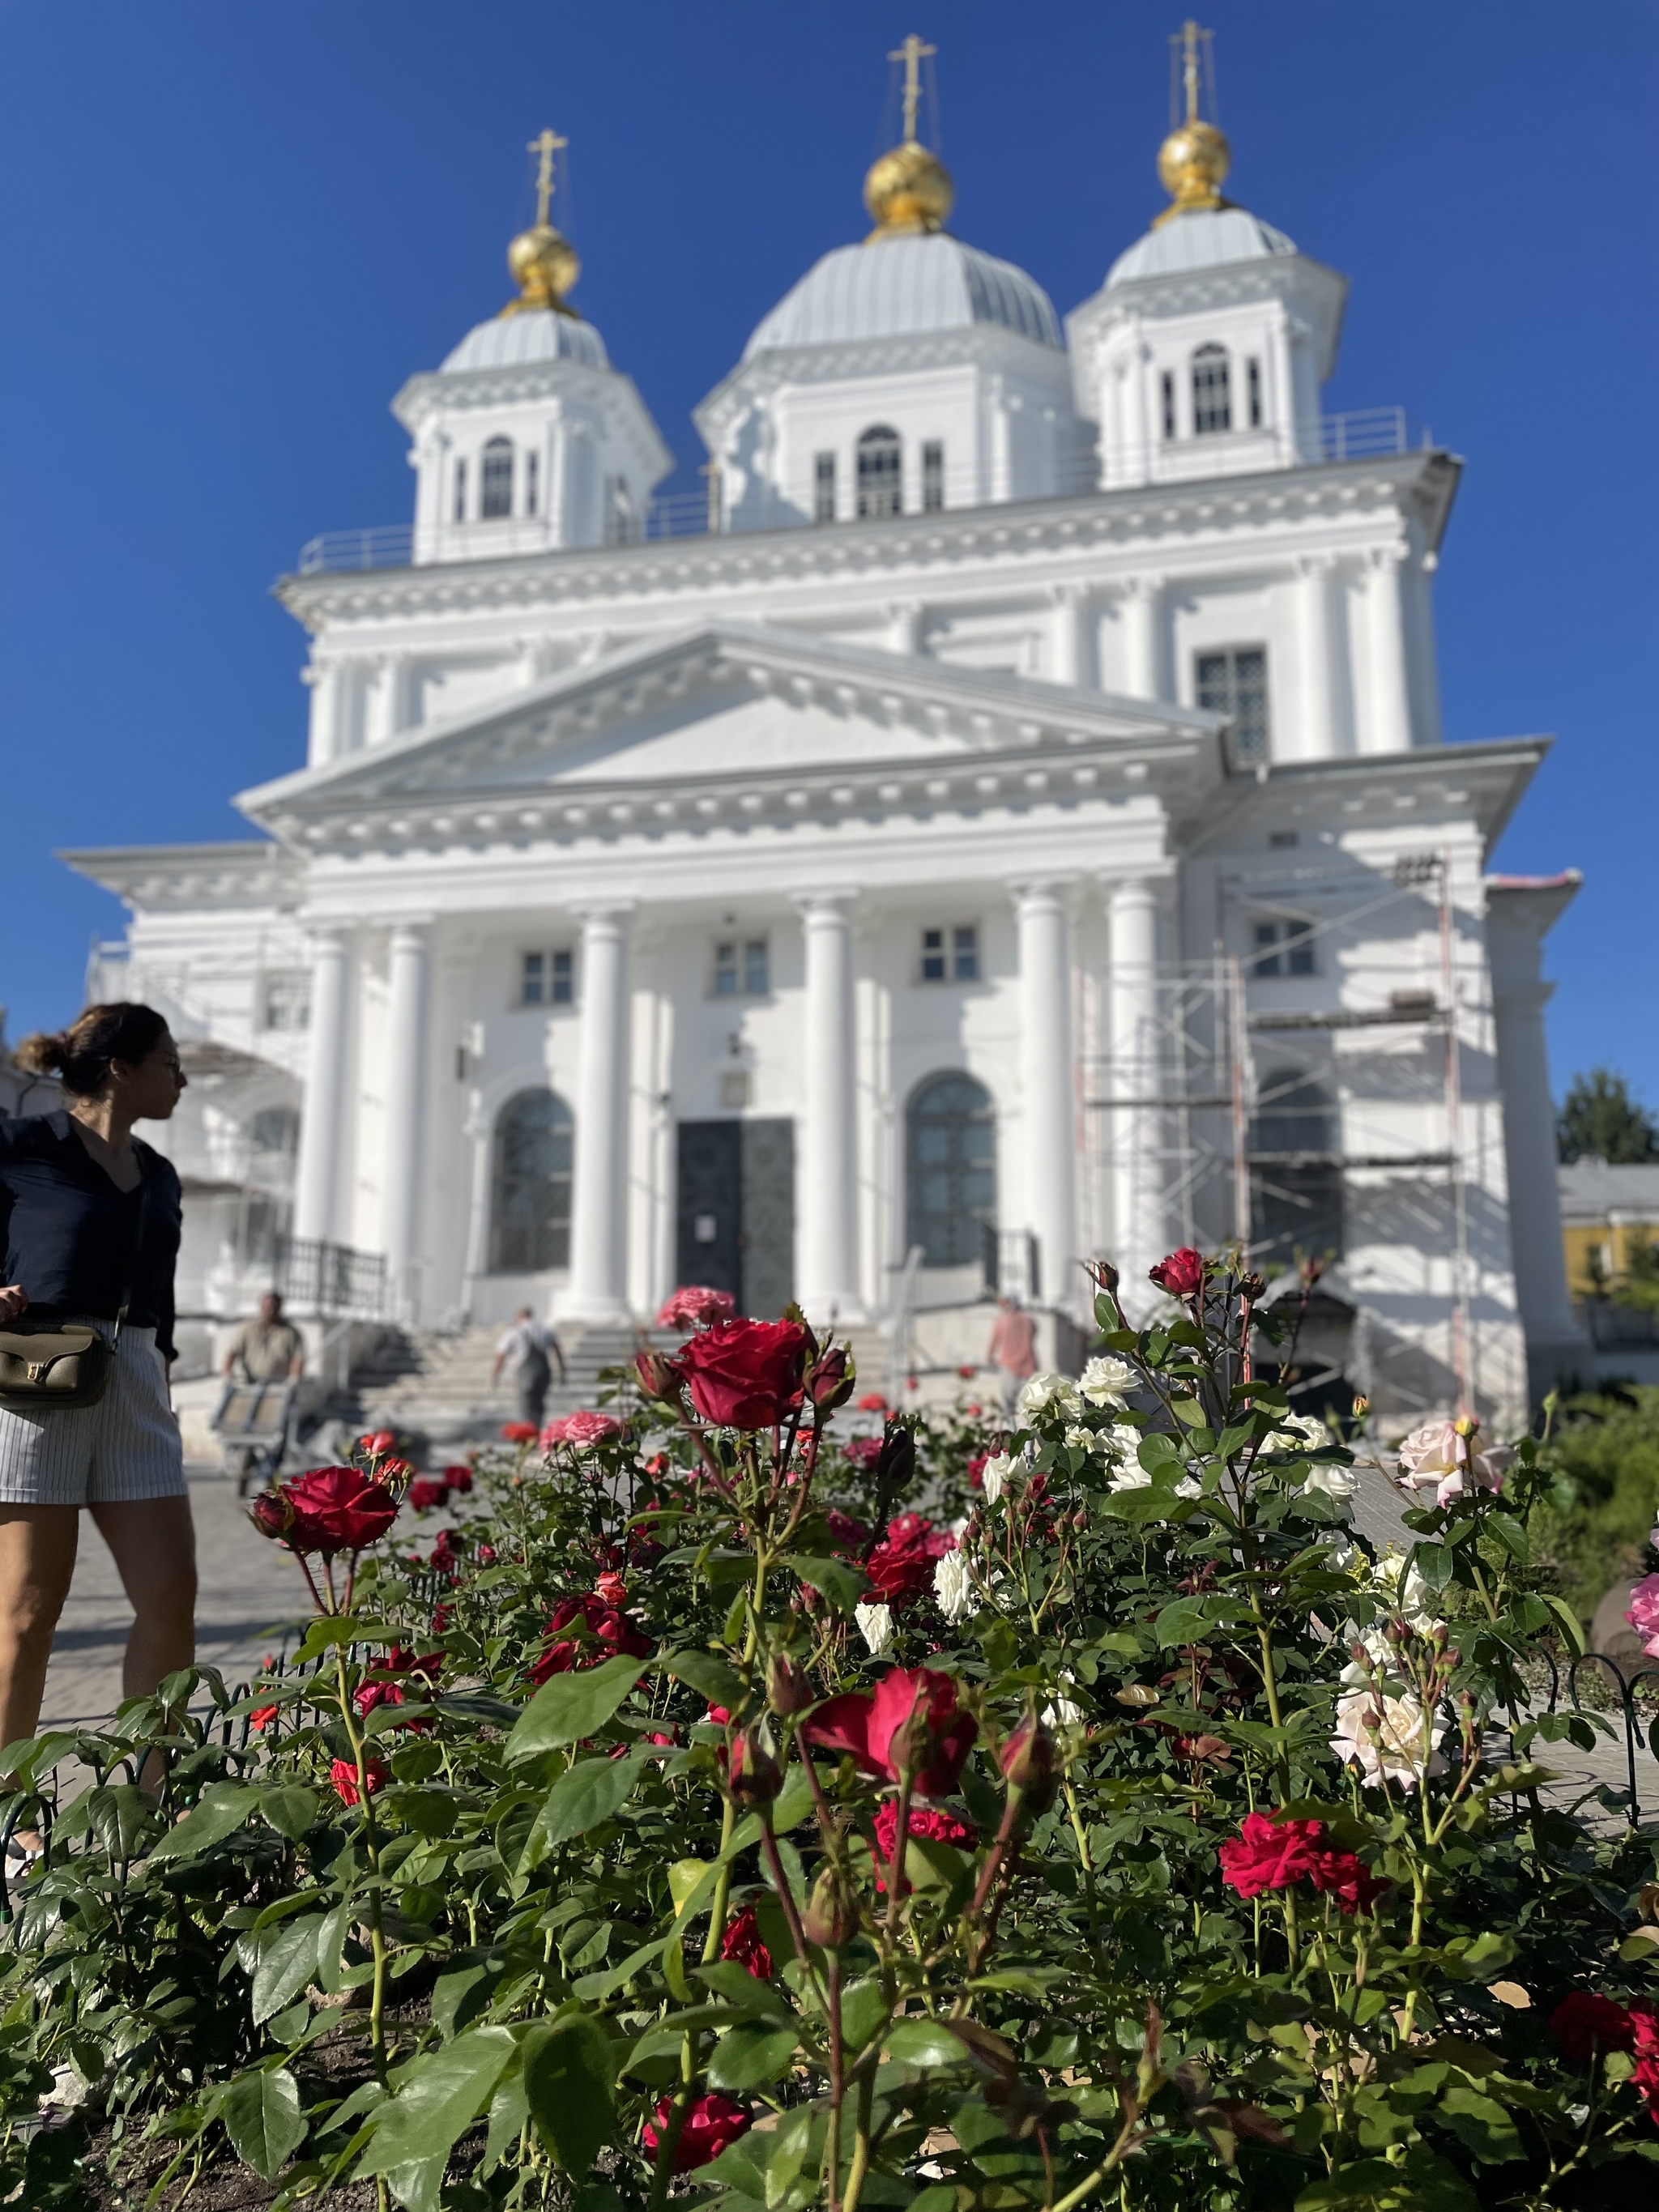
{"x":724,"y":702}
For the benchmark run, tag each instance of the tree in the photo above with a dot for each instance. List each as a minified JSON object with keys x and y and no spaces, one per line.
{"x":1599,"y":1120}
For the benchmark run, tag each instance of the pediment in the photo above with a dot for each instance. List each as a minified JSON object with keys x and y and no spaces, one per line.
{"x":722,"y":704}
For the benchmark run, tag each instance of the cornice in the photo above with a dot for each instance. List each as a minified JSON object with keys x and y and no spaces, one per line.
{"x":1149,"y":519}
{"x":233,"y":874}
{"x":1387,"y":792}
{"x":1197,"y":291}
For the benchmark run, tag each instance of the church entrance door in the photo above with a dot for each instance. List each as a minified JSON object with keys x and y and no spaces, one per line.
{"x":736,"y":1213}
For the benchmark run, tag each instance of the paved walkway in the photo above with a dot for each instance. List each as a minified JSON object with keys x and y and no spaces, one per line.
{"x":250,"y":1588}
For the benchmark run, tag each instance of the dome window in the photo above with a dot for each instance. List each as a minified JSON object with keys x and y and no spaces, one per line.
{"x":880,"y":459}
{"x":823,"y":488}
{"x":497,"y":482}
{"x":1213,"y":405}
{"x":532,"y":478}
{"x":459,"y":509}
{"x":932,"y":476}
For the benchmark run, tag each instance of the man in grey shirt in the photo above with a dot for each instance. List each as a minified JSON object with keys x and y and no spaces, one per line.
{"x":526,"y":1349}
{"x":266,"y":1349}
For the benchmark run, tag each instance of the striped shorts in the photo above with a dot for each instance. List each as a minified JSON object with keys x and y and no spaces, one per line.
{"x":126,"y":1447}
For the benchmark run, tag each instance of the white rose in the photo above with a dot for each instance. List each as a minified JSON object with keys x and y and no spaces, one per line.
{"x":994,"y":1477}
{"x":1344,"y":1556}
{"x":1301,"y":1432}
{"x":1047,"y":1393}
{"x":876,"y":1626}
{"x":1438,"y":1457}
{"x":1131,"y":1478}
{"x":1407,"y":1598}
{"x":951,"y":1587}
{"x":1397,"y":1745}
{"x":1063,"y":1712}
{"x":1339,"y":1484}
{"x":1106,"y":1381}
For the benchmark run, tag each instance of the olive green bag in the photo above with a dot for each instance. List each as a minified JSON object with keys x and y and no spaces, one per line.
{"x":53,"y":1366}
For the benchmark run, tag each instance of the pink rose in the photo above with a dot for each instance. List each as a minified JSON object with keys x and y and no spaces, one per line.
{"x":1442,"y":1456}
{"x":693,"y":1305}
{"x":1642,"y":1614}
{"x":1181,"y":1274}
{"x":580,"y":1431}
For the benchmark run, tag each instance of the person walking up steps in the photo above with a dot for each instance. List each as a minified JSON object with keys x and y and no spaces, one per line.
{"x":526,"y":1349}
{"x":90,"y":1218}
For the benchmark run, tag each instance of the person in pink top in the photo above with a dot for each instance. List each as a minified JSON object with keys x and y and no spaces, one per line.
{"x":1012,"y":1348}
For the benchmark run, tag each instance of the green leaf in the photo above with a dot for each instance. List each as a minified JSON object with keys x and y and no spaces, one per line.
{"x":1185,"y":1620}
{"x":288,"y":1961}
{"x":572,"y":1706}
{"x":1571,"y":1627}
{"x":843,"y":1585}
{"x":706,"y":1673}
{"x":439,"y":2097}
{"x":747,"y":1991}
{"x":688,"y":1879}
{"x":924,"y":2043}
{"x":328,"y":1629}
{"x":585,"y":1794}
{"x":262,"y":2119}
{"x":1512,"y":1532}
{"x":1190,"y":1414}
{"x":1481,"y":2124}
{"x":751,"y":2057}
{"x":223,"y":1809}
{"x":570,"y":2079}
{"x":292,"y":1812}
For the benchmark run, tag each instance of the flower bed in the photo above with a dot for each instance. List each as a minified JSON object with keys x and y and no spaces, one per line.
{"x":1074,"y":1815}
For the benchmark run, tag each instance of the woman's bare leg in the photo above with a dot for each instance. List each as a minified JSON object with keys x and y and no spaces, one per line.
{"x":153,"y":1541}
{"x":37,"y":1559}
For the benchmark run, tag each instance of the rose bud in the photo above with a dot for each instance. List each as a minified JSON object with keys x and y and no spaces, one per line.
{"x":755,"y":1777}
{"x":896,"y":1463}
{"x":1027,"y":1764}
{"x":378,"y":1441}
{"x":1252,"y":1289}
{"x":831,"y":1916}
{"x":787,"y":1689}
{"x":270,"y":1514}
{"x":830,"y":1380}
{"x":1106,"y":1277}
{"x":658,"y":1376}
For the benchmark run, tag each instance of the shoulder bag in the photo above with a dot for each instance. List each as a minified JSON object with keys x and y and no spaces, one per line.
{"x":52,"y":1367}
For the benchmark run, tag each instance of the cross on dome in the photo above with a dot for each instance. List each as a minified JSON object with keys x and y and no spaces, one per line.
{"x":546,"y":143}
{"x":908,"y":191}
{"x":542,"y":262}
{"x":912,"y":53}
{"x":1193,"y":159}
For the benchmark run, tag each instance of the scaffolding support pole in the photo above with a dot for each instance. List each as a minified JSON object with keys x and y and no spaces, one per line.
{"x":1460,"y":1340}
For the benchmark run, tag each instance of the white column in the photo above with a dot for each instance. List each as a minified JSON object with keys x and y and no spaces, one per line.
{"x":827,"y":1236}
{"x":1048,"y":1127}
{"x":385,"y":700}
{"x":599,"y":1210}
{"x":316,"y":1172}
{"x":904,"y":628}
{"x":1071,"y":660}
{"x":1316,"y":732}
{"x":1143,"y":638}
{"x":1135,"y":1154}
{"x":323,"y":679}
{"x":406,"y":1079}
{"x":1387,"y":727}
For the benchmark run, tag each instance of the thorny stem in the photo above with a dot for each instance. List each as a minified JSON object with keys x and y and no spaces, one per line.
{"x":358,"y":1742}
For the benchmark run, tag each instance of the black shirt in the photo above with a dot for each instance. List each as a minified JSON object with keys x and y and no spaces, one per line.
{"x":69,"y":1234}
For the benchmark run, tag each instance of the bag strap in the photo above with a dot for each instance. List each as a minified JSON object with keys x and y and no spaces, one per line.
{"x":132,"y":1262}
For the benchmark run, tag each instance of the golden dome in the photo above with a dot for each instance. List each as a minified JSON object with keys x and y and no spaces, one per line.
{"x":543,"y":265}
{"x":908,"y":191}
{"x":1192,"y":162}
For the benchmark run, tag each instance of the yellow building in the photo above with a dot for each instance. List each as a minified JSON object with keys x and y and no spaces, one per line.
{"x":1606,"y":1214}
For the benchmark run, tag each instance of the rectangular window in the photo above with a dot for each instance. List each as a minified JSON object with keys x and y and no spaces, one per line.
{"x":932,"y":956}
{"x":951,"y":955}
{"x":932,"y":476}
{"x":1285,"y":947}
{"x":1169,"y":403}
{"x":460,"y":491}
{"x":547,"y":979}
{"x":286,"y":1004}
{"x":532,"y":483}
{"x":1253,"y":381}
{"x":823,"y":488}
{"x":563,"y":977}
{"x":1234,"y":681}
{"x":742,"y":967}
{"x":756,"y":978}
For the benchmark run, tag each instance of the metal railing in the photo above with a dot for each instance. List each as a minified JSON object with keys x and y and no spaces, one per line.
{"x":1364,"y":433}
{"x":321,"y":1278}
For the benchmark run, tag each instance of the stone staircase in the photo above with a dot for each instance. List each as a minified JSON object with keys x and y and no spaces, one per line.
{"x":437,"y":1382}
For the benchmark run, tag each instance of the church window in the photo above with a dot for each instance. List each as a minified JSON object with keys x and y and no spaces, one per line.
{"x":880,"y":462}
{"x":1252,"y":384}
{"x":497,"y":482}
{"x":286,"y":1004}
{"x":547,"y":979}
{"x":619,"y":512}
{"x":823,"y":488}
{"x":932,"y":476}
{"x":273,"y":1135}
{"x":1284,"y":946}
{"x":458,"y":510}
{"x":532,"y":483}
{"x":742,"y":967}
{"x":1295,"y":1169}
{"x":951,"y":1179}
{"x":529,"y":1208}
{"x":1234,"y":683}
{"x":1212,"y":408}
{"x":1169,"y":403}
{"x":951,"y":955}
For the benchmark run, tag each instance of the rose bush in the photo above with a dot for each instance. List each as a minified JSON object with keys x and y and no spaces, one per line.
{"x":714,"y":1815}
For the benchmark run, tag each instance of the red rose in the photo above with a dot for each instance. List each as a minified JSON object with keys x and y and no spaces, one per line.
{"x":459,"y":1481}
{"x":717,"y":1717}
{"x":378,"y":1441}
{"x":845,"y":1534}
{"x":693,"y":1305}
{"x":337,"y":1508}
{"x":596,"y":1632}
{"x":518,"y":1433}
{"x":911,"y":1719}
{"x":271,"y":1513}
{"x":428,"y":1490}
{"x":711,"y":2123}
{"x":1347,"y":1878}
{"x":745,"y":1373}
{"x":830,"y":1380}
{"x":1645,"y":2074}
{"x":343,"y":1775}
{"x":902,"y":1564}
{"x":1181,"y":1274}
{"x":743,"y":1941}
{"x":936,"y":1827}
{"x":262,"y":1717}
{"x":1586,"y":2024}
{"x":612,"y":1589}
{"x":873,"y":1402}
{"x":1270,"y":1854}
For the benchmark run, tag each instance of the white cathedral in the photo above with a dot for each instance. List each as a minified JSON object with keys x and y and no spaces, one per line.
{"x":1007,"y":822}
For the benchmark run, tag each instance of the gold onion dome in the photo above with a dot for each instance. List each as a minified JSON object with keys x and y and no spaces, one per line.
{"x":909,"y":192}
{"x":1192,"y":164}
{"x":544,"y":266}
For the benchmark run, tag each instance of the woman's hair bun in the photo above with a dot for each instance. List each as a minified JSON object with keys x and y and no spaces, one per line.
{"x":45,"y":1051}
{"x":81,"y":1054}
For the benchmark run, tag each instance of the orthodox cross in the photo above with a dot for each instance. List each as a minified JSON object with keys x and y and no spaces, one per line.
{"x":1189,"y":35}
{"x":912,"y":53}
{"x":547,"y":143}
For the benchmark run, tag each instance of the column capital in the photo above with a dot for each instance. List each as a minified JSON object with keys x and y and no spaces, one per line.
{"x":1031,"y":893}
{"x":595,"y":914}
{"x":1071,"y":594}
{"x":1382,"y":558}
{"x":1145,"y":586}
{"x":411,"y":929}
{"x":327,"y":936}
{"x":835,"y":902}
{"x":1315,"y":564}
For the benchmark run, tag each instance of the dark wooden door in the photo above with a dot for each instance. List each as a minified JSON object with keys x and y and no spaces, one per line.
{"x":768,"y":1218}
{"x":735,"y":1215}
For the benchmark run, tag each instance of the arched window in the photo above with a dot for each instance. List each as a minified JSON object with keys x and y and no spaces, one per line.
{"x":1213,"y":404}
{"x":497,"y":486}
{"x":1295,"y":1173}
{"x":951,"y":1179}
{"x":529,"y":1207}
{"x":879,"y":457}
{"x":274,"y":1132}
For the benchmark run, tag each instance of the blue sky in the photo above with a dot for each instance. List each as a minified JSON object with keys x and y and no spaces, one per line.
{"x":227,"y":233}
